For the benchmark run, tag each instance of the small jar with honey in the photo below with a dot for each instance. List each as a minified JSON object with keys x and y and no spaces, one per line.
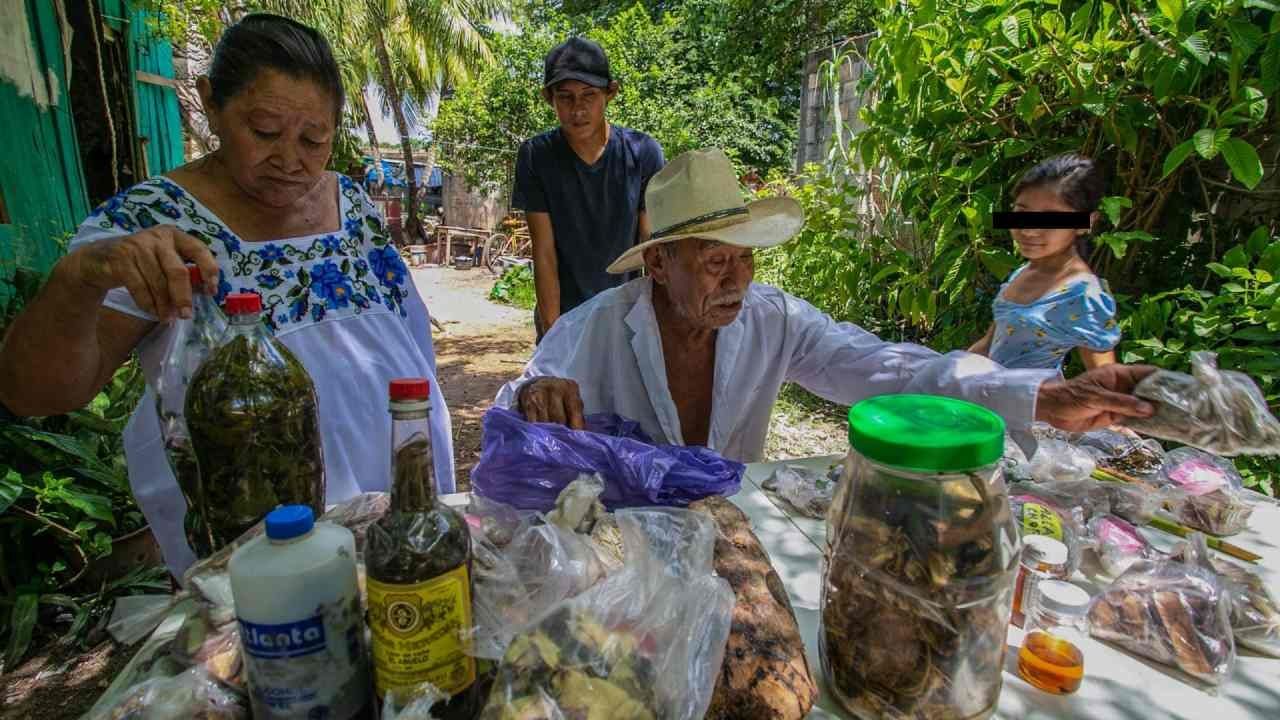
{"x":1051,"y":657}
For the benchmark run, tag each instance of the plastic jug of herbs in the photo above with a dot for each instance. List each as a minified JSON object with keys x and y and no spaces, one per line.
{"x":921,"y":559}
{"x":301,"y":622}
{"x":251,"y":410}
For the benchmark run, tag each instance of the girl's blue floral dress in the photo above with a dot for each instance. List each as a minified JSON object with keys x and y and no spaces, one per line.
{"x":342,"y":301}
{"x":1040,"y":334}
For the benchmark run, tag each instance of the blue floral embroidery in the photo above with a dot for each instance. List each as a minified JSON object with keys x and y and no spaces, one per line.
{"x":387,"y":265}
{"x":300,"y":281}
{"x":269,"y":281}
{"x":329,"y":282}
{"x":271,"y":253}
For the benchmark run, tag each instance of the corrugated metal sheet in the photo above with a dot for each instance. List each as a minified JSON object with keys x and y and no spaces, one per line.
{"x":159,"y":121}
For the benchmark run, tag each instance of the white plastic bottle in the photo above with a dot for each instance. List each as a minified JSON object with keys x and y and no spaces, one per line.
{"x":301,"y":626}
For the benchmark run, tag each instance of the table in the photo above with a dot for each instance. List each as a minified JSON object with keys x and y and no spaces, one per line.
{"x":1117,"y":684}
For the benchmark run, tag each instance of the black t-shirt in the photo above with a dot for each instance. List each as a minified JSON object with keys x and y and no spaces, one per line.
{"x":594,"y":208}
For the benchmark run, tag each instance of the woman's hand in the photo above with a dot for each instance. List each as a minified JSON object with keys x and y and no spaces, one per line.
{"x":152,"y":265}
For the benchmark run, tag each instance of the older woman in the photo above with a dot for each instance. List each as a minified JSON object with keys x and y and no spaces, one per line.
{"x":260,"y":214}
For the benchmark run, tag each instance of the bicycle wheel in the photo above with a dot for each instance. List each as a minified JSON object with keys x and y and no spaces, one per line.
{"x":495,"y":247}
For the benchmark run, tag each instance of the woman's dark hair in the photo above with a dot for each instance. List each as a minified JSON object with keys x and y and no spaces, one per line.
{"x":261,"y":41}
{"x":1074,"y":178}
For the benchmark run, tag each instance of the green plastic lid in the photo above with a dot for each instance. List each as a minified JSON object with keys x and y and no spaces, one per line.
{"x":926,"y":432}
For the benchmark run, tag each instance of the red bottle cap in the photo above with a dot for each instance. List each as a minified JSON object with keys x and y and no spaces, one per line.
{"x":243,"y":303}
{"x":193,"y":272}
{"x":410,"y":389}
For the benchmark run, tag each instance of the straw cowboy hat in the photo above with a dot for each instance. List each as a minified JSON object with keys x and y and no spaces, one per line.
{"x":697,"y":195}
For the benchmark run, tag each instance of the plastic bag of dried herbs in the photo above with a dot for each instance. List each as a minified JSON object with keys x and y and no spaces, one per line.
{"x":188,"y":343}
{"x":1173,"y":612}
{"x":251,"y":410}
{"x":1212,"y":496}
{"x":1218,"y":411}
{"x":646,"y":643}
{"x":1255,"y":615}
{"x":1122,"y":450}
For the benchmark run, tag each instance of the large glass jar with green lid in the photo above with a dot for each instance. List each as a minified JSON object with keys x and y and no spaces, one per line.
{"x":921,"y":558}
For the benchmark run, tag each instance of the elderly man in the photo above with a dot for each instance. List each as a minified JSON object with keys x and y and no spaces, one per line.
{"x":697,"y":353}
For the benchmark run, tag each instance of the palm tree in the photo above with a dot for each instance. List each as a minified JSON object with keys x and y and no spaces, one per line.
{"x":417,"y":47}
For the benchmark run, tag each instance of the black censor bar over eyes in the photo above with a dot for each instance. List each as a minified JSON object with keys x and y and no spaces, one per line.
{"x":1040,"y":220}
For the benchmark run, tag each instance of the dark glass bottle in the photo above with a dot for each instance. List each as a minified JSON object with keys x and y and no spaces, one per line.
{"x":418,"y":565}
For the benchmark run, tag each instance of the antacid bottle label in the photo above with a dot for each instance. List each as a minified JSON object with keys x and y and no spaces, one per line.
{"x":314,"y":667}
{"x":420,"y":633}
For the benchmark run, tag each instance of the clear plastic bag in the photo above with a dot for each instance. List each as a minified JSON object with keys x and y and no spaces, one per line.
{"x":423,"y":697}
{"x":1122,"y":450}
{"x":1255,"y":616}
{"x":1117,"y":544}
{"x":1135,"y":502}
{"x":1173,"y":612}
{"x":1040,"y":514}
{"x":1059,"y":461}
{"x":191,"y":695}
{"x":1218,"y":411}
{"x":647,"y":642}
{"x":1212,"y":498}
{"x":189,"y":343}
{"x":807,"y":490}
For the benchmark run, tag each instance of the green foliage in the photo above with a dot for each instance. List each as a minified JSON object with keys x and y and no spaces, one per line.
{"x":1239,"y":319}
{"x":1174,"y":99}
{"x":64,"y":493}
{"x":667,"y":92}
{"x":515,"y":287}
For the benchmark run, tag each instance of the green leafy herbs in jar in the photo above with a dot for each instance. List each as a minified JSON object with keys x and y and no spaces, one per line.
{"x":251,"y":411}
{"x":921,"y":559}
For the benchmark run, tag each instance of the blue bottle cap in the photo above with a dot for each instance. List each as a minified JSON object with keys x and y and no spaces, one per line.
{"x":290,"y":521}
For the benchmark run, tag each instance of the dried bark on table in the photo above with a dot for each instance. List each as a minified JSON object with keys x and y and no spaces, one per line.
{"x":765,"y":672}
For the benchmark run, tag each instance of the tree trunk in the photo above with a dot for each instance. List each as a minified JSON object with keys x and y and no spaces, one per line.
{"x":412,"y":226}
{"x":373,"y":137}
{"x":190,"y":61}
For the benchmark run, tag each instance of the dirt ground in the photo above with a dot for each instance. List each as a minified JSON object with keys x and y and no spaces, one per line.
{"x":482,"y":346}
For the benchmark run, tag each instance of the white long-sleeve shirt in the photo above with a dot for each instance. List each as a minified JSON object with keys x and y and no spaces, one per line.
{"x":612,"y":348}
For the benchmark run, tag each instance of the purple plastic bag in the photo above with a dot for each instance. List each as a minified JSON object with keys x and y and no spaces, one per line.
{"x":526,"y":465}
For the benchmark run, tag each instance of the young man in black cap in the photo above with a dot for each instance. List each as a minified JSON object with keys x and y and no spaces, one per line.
{"x":582,"y":184}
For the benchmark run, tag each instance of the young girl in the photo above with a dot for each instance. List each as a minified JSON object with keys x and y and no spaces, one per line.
{"x":1054,"y":303}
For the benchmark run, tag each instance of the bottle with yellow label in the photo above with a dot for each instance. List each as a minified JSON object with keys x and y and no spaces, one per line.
{"x":418,"y":563}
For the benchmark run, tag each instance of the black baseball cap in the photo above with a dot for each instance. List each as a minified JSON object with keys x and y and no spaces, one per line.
{"x":577,"y":59}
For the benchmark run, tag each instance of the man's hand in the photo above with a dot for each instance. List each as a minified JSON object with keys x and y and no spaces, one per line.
{"x":1096,"y":399}
{"x":551,"y":399}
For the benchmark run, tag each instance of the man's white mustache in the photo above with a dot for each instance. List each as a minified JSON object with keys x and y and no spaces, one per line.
{"x":733,"y":299}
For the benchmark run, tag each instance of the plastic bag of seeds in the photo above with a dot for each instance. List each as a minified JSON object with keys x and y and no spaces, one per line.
{"x":1122,"y":450}
{"x":1173,"y":612}
{"x":1212,"y":496}
{"x":192,"y":695}
{"x":808,"y":491}
{"x":1219,"y":411}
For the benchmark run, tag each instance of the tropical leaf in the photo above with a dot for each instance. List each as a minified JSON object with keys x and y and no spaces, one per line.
{"x":1209,"y":142}
{"x":1176,"y":156}
{"x":10,"y":489}
{"x":1244,"y":162}
{"x":1198,"y":47}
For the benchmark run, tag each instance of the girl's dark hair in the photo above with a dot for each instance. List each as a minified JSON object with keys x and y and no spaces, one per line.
{"x":1076,"y":179}
{"x":261,"y":41}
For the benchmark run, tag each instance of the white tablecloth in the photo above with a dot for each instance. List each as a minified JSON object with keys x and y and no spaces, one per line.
{"x":1117,"y":684}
